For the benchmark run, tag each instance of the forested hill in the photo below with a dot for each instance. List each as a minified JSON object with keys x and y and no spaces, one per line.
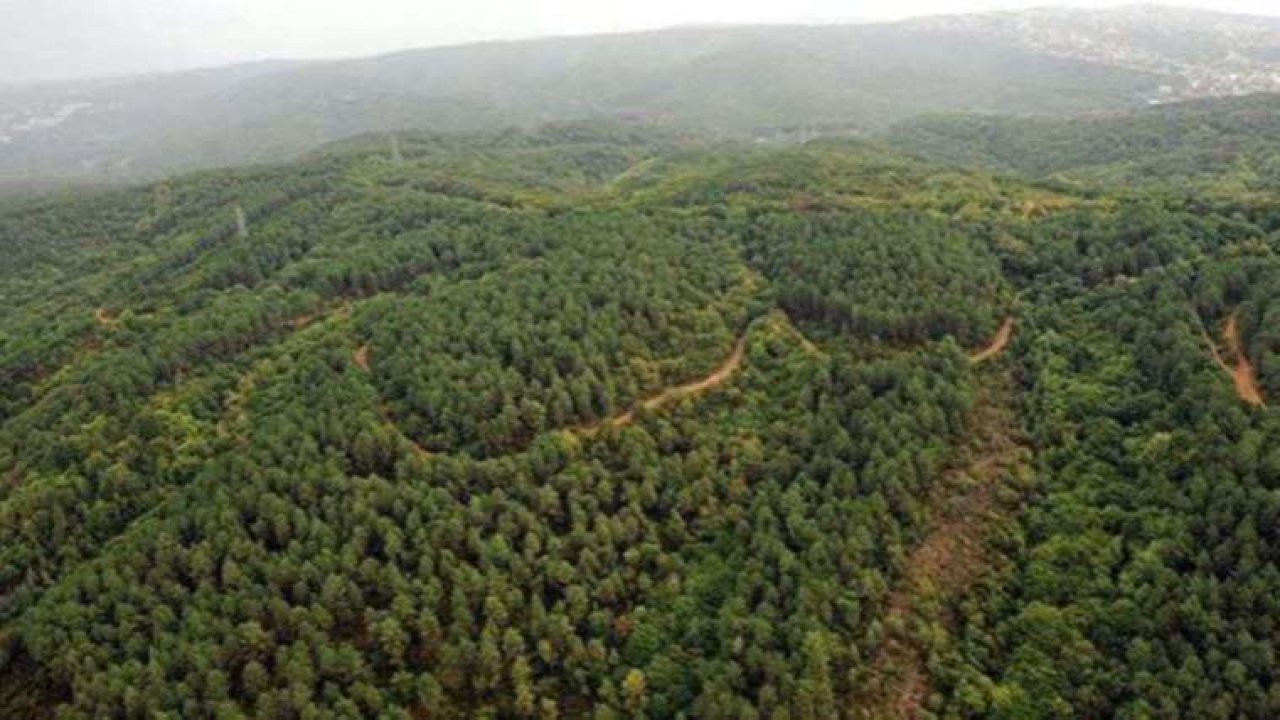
{"x":747,"y":81}
{"x":766,"y":82}
{"x":592,"y":422}
{"x":1229,"y":146}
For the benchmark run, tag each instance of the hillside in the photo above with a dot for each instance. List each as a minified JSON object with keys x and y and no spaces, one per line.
{"x":1203,"y":53}
{"x":733,"y":81}
{"x":599,"y":422}
{"x":771,"y":82}
{"x":1228,"y":146}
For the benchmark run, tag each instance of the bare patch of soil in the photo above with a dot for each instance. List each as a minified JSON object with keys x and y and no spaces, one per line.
{"x":1242,"y":371}
{"x":997,"y":344}
{"x":723,"y":372}
{"x":1244,"y":374}
{"x":945,"y":566}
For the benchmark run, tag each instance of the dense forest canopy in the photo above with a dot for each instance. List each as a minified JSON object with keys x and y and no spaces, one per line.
{"x":603,"y":421}
{"x":1226,"y":147}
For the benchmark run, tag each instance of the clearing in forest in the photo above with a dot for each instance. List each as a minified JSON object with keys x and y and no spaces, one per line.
{"x":302,"y":321}
{"x":1243,"y":373}
{"x":953,"y":556}
{"x":361,"y":357}
{"x":998,"y":343}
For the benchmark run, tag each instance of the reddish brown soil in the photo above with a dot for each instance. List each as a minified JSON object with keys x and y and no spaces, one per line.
{"x":953,"y":556}
{"x":723,"y":372}
{"x":1244,"y":374}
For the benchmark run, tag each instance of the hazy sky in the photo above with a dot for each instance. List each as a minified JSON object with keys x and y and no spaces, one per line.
{"x":53,"y":39}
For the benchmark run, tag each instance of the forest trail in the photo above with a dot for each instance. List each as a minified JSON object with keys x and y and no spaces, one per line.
{"x":998,"y":343}
{"x":723,"y":372}
{"x":949,"y":561}
{"x":1244,"y":374}
{"x":417,"y":449}
{"x":233,"y":422}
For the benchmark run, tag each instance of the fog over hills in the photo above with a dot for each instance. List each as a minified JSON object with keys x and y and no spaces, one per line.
{"x":753,"y":81}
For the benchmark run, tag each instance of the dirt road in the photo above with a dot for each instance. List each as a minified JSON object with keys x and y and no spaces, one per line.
{"x":723,"y":372}
{"x":1244,"y":373}
{"x":951,"y":558}
{"x":998,"y":343}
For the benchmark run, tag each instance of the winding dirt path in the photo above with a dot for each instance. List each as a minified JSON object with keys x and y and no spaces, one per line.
{"x":1244,"y":374}
{"x":950,"y":560}
{"x":723,"y":372}
{"x":998,"y":343}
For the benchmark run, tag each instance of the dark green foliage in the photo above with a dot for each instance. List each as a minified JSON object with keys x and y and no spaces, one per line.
{"x":337,"y":464}
{"x":416,"y":442}
{"x":903,"y":277}
{"x":621,"y":308}
{"x":1225,"y":146}
{"x":1145,"y":565}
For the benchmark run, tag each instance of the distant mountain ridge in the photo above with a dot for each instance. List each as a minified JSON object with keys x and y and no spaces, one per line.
{"x":1206,"y":53}
{"x":739,"y":81}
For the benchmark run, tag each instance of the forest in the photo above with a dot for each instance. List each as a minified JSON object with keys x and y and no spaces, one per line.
{"x":603,"y":421}
{"x":1225,"y":147}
